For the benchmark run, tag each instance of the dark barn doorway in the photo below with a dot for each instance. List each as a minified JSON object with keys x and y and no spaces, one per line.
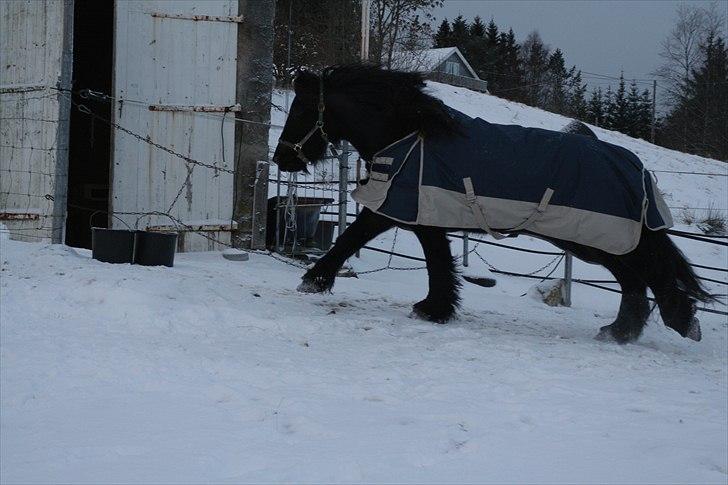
{"x":89,"y":156}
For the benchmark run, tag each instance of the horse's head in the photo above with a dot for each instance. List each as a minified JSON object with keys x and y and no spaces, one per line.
{"x":366,"y":105}
{"x":304,"y":135}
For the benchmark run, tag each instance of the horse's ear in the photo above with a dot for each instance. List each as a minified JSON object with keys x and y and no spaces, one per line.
{"x":305,"y":83}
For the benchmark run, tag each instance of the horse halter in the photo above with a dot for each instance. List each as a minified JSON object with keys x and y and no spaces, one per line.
{"x":319,"y":126}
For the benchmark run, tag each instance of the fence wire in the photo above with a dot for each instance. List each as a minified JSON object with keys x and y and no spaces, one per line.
{"x":321,"y":185}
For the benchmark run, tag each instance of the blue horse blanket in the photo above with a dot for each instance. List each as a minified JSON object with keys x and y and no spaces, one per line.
{"x":507,"y":178}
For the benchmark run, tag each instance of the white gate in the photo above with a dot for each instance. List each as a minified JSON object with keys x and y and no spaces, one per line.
{"x":174,"y":77}
{"x":35,"y":53}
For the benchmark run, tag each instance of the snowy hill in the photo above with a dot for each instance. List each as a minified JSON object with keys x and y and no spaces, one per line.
{"x":219,"y":371}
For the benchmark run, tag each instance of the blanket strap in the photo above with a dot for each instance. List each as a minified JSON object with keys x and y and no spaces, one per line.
{"x":477,"y":210}
{"x":480,"y":217}
{"x":539,"y":210}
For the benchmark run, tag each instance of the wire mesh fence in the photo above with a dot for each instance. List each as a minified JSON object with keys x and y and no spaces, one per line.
{"x":30,"y":152}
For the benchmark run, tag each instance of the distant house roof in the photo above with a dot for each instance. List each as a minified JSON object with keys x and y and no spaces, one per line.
{"x":428,"y":59}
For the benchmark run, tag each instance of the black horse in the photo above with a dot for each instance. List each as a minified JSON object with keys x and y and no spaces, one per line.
{"x":371,"y":108}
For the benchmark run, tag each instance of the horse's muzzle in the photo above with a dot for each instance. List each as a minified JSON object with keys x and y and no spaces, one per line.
{"x":287,"y":160}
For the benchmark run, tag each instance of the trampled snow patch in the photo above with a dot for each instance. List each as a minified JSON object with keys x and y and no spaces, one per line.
{"x":220,"y":371}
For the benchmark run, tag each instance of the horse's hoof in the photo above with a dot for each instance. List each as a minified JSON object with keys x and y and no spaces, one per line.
{"x":694,"y":332}
{"x":318,"y":284}
{"x":420,"y":315}
{"x":612,"y":333}
{"x":426,"y":311}
{"x":605,"y":335}
{"x":308,"y":287}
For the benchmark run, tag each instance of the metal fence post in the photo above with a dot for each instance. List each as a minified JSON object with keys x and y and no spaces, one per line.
{"x":466,"y":255}
{"x":343,"y":185}
{"x":279,"y":248}
{"x":291,"y":216}
{"x":358,"y":178}
{"x":568,"y":268}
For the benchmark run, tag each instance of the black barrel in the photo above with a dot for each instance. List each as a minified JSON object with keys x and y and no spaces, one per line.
{"x":155,"y":248}
{"x":324,"y":235}
{"x":112,"y":245}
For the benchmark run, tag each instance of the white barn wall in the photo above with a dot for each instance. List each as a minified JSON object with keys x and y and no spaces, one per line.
{"x":35,"y":38}
{"x":171,"y":61}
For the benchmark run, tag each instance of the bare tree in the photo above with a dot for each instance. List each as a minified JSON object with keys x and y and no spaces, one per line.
{"x":323,"y":33}
{"x":412,"y":52}
{"x":681,"y":48}
{"x":396,"y":25}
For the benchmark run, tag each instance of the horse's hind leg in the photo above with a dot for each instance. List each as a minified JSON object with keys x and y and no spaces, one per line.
{"x":443,"y":295}
{"x":366,"y":227}
{"x":657,"y":263}
{"x":634,"y":307}
{"x":628,"y":270}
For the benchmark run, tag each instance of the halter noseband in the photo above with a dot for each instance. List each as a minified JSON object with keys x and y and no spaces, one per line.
{"x":319,"y":126}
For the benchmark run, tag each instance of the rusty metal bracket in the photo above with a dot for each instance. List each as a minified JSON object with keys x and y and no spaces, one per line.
{"x":21,"y":88}
{"x":203,"y":108}
{"x":194,"y":227}
{"x":197,"y":18}
{"x":19,"y":216}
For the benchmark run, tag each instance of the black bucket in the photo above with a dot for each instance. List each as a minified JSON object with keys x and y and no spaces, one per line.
{"x":324,"y":234}
{"x":308,"y":211}
{"x":155,"y":248}
{"x":112,"y":245}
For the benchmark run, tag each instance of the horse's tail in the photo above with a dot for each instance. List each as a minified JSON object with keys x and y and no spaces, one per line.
{"x":687,"y":281}
{"x":675,"y":285}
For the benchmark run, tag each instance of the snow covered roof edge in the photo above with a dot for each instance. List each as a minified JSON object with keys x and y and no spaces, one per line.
{"x":436,"y":56}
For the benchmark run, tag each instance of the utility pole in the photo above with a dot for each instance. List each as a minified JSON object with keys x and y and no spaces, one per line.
{"x":652,"y":129}
{"x":364,"y":54}
{"x":253,"y":93}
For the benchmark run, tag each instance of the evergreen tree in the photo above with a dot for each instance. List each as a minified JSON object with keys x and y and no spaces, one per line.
{"x":501,"y":75}
{"x":577,"y":104}
{"x":557,"y":79}
{"x":460,"y":34}
{"x":512,"y":70}
{"x":645,"y":113}
{"x":618,"y":111}
{"x":607,"y":105}
{"x":633,"y":119}
{"x":595,"y":110}
{"x":443,"y":37}
{"x":706,"y":102}
{"x":489,"y":66}
{"x":477,"y":28}
{"x":491,"y":34}
{"x":535,"y":56}
{"x":476,"y":49}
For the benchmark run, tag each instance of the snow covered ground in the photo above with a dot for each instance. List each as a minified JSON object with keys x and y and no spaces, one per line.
{"x":219,"y":371}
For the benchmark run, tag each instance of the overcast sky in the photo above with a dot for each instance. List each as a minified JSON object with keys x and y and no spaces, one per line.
{"x":602,"y":37}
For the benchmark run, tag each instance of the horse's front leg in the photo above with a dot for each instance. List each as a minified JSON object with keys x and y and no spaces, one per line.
{"x":366,"y":227}
{"x":443,"y":296}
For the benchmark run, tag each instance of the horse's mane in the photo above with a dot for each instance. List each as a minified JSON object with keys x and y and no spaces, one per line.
{"x":403,"y":92}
